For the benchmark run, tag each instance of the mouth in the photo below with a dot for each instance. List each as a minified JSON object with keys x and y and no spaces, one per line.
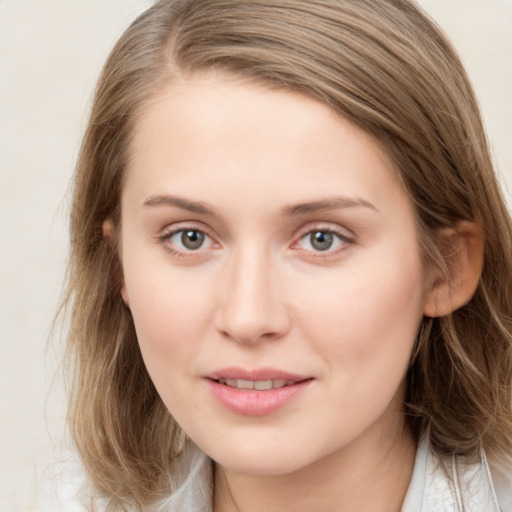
{"x":258,"y":385}
{"x":260,"y":379}
{"x":256,"y":392}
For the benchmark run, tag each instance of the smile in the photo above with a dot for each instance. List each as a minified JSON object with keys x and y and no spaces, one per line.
{"x":258,"y":392}
{"x":258,"y":385}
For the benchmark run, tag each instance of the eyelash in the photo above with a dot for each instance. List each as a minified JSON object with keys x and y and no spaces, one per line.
{"x":166,"y":236}
{"x":343,"y":241}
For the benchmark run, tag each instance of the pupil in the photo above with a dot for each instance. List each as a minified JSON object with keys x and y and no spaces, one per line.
{"x":321,"y":240}
{"x":192,"y":239}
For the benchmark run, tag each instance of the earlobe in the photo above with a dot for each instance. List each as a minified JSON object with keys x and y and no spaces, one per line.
{"x":108,"y":229}
{"x":462,"y":250}
{"x":108,"y":233}
{"x":124,"y":295}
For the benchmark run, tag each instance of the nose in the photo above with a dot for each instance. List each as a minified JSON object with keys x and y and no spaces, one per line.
{"x":251,"y":306}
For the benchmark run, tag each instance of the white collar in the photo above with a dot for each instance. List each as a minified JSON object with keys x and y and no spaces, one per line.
{"x":438,"y":484}
{"x":459,"y":486}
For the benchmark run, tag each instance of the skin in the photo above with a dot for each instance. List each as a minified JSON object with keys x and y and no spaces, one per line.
{"x":257,"y":293}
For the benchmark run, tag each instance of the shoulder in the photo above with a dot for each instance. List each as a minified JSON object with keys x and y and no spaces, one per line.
{"x":65,"y":487}
{"x":452,"y":484}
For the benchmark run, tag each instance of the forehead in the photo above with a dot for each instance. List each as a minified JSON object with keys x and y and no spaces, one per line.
{"x":212,"y":133}
{"x":230,"y":109}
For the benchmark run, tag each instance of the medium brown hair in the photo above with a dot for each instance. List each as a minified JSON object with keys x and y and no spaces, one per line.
{"x":384,"y":65}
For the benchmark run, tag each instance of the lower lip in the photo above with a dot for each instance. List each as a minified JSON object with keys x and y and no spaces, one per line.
{"x":250,"y":402}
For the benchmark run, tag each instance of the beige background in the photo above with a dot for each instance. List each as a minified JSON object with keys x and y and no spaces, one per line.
{"x":50,"y":54}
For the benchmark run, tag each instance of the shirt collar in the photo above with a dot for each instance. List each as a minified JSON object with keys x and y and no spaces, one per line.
{"x":449,"y":484}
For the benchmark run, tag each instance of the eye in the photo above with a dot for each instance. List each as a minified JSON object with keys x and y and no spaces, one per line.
{"x":187,"y":240}
{"x":321,"y":240}
{"x":191,"y":239}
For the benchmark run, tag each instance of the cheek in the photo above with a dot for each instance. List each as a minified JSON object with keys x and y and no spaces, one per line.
{"x":171,"y":311}
{"x":170,"y":319}
{"x":365,"y":330}
{"x":366,"y":319}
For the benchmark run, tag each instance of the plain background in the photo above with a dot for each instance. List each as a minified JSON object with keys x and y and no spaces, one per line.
{"x":51,"y":52}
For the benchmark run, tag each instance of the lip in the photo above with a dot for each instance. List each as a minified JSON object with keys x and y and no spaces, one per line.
{"x":253,"y":402}
{"x":255,"y":374}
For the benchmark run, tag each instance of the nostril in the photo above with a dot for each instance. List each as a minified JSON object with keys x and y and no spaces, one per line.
{"x":251,"y":309}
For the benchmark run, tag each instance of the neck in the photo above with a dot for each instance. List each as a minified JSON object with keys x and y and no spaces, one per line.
{"x":370,"y":475}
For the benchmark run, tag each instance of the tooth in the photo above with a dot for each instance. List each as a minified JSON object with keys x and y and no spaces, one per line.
{"x":231,"y":383}
{"x":263,"y":385}
{"x":279,"y":383}
{"x":290,"y":382}
{"x":222,"y":381}
{"x":244,"y":384}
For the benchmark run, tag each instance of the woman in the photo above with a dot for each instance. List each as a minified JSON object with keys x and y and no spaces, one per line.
{"x":290,"y":274}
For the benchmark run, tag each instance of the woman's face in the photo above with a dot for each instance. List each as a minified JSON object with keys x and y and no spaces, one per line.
{"x":272,"y":267}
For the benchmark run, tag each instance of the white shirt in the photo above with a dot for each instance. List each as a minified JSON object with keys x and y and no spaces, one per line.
{"x":451,"y":484}
{"x":447,"y":484}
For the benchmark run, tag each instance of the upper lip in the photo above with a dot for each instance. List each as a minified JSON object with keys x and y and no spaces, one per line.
{"x":257,"y":374}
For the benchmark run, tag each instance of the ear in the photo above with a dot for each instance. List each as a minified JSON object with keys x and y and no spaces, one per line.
{"x":108,"y":233}
{"x":462,"y":250}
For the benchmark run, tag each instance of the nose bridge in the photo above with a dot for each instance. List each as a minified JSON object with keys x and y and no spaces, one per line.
{"x":252,"y":307}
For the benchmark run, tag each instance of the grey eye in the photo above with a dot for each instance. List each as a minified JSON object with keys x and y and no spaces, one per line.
{"x":188,"y":240}
{"x":192,"y":239}
{"x":321,"y":240}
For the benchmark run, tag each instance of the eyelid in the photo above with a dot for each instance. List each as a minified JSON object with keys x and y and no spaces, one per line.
{"x":183,"y":226}
{"x":169,"y":231}
{"x":331,"y":227}
{"x":346,"y":237}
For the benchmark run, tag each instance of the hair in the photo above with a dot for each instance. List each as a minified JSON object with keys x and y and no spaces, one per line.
{"x":385,"y":66}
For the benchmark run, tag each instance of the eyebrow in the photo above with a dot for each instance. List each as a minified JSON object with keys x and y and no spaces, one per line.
{"x":306,"y":208}
{"x":332,"y":203}
{"x":178,"y":202}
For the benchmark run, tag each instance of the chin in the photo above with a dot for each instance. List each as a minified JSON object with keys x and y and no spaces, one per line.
{"x":261,"y":460}
{"x":261,"y":466}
